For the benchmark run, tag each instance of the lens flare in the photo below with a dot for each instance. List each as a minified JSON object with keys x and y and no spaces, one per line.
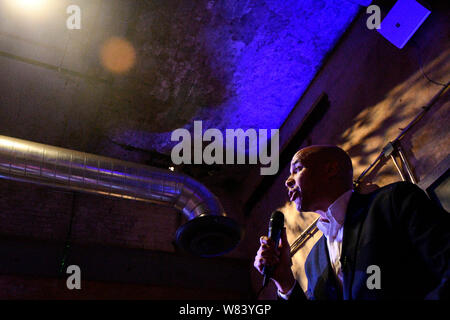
{"x":118,"y":55}
{"x":30,"y":9}
{"x":30,"y":4}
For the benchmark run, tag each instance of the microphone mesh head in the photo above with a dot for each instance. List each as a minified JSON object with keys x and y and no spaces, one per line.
{"x":277,"y":220}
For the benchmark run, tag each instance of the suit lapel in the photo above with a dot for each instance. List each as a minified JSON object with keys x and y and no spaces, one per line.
{"x":356,"y":211}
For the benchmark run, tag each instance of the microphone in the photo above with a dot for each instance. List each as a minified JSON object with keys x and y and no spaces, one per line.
{"x":276,"y":224}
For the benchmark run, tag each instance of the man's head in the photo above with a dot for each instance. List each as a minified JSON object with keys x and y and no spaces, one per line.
{"x":319,"y":175}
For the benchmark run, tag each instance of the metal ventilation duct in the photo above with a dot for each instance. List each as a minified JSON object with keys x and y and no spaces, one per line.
{"x":207,"y":233}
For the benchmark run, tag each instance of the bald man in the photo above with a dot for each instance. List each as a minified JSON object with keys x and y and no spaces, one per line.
{"x":393,"y":243}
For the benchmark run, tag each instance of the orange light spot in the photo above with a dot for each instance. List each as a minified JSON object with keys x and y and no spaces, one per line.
{"x":118,"y":55}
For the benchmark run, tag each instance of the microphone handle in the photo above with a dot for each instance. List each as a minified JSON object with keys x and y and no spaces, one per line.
{"x":268,"y":270}
{"x":267,"y":275}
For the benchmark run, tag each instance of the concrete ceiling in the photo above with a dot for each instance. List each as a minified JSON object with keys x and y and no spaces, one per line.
{"x":232,"y":64}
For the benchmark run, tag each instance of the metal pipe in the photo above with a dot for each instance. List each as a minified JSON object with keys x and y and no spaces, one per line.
{"x":426,"y":108}
{"x":26,"y":161}
{"x":406,"y":164}
{"x":411,"y":124}
{"x":304,"y":236}
{"x":398,"y":168}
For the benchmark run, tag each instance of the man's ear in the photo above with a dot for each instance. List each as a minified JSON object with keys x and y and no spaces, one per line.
{"x":332,"y":169}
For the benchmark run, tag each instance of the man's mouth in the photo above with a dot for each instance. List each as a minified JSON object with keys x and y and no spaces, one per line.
{"x":293,"y":194}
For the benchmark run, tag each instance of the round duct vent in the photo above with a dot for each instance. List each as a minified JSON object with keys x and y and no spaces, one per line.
{"x":208,"y":236}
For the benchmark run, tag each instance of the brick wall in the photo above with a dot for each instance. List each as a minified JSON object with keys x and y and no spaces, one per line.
{"x":29,"y":210}
{"x":123,"y":247}
{"x":38,"y":288}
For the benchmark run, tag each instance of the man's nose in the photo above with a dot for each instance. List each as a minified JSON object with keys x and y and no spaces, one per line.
{"x":289,"y":182}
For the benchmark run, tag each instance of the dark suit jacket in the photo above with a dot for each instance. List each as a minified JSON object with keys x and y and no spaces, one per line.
{"x":396,"y":228}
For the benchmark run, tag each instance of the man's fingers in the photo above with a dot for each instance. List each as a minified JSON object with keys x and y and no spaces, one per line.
{"x":269,"y":254}
{"x":268,"y":244}
{"x":266,"y":240}
{"x":260,"y":262}
{"x":263,"y":240}
{"x":267,"y":247}
{"x":267,"y":251}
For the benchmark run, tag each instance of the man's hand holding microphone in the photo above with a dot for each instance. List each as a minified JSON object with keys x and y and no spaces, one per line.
{"x":273,"y":259}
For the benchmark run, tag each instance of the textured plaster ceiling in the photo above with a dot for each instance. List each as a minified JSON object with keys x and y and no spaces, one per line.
{"x":232,"y":64}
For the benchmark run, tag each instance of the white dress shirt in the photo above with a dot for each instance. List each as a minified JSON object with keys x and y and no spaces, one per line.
{"x":332,"y":227}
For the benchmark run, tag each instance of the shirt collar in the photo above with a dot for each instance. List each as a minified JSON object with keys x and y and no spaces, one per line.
{"x":336,"y":216}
